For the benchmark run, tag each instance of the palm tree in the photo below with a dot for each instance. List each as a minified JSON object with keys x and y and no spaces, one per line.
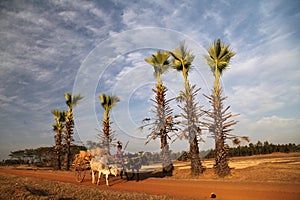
{"x":163,"y":122}
{"x":107,"y":102}
{"x":218,"y":61}
{"x":182,"y":61}
{"x":71,"y":102}
{"x":58,"y":128}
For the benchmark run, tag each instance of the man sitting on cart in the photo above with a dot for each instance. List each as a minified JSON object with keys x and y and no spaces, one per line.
{"x":119,"y":160}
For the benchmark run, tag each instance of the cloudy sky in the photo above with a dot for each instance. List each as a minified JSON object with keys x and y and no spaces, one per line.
{"x":90,"y":47}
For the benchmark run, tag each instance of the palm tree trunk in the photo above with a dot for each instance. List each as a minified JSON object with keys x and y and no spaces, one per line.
{"x":165,"y":152}
{"x":58,"y":162}
{"x":221,"y":166}
{"x":196,"y":165}
{"x":106,"y":130}
{"x":57,"y":149}
{"x":67,"y":156}
{"x":217,"y":80}
{"x":167,"y":164}
{"x":69,"y":132}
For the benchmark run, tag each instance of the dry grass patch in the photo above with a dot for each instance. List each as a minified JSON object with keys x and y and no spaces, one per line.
{"x":15,"y":187}
{"x":278,"y":167}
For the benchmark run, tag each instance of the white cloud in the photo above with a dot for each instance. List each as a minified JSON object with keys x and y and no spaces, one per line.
{"x":7,"y":99}
{"x":266,"y":8}
{"x":274,"y":129}
{"x":264,"y":83}
{"x":129,"y":17}
{"x":256,"y":100}
{"x":276,"y":122}
{"x":213,"y":16}
{"x":68,"y":15}
{"x":131,"y":80}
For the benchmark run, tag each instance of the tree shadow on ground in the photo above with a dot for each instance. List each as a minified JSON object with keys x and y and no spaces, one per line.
{"x":146,"y":175}
{"x":37,"y":192}
{"x":136,"y":177}
{"x":154,"y":174}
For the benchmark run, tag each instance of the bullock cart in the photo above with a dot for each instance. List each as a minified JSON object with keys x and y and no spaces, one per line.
{"x":81,"y":164}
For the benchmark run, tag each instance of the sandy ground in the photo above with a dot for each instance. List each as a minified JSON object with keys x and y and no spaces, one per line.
{"x":264,"y":177}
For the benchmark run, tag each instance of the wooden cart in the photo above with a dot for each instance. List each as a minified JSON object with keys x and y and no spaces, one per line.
{"x":81,"y":165}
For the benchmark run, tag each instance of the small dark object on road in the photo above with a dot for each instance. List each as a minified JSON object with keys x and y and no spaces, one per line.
{"x":213,"y":195}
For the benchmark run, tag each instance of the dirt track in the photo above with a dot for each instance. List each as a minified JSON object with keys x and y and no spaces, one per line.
{"x":179,"y":189}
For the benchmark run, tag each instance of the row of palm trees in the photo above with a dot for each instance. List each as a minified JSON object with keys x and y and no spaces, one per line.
{"x":216,"y":118}
{"x":63,"y":128}
{"x":64,"y":124}
{"x":187,"y":125}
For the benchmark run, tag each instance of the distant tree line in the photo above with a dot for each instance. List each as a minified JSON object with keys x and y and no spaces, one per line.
{"x":247,"y":150}
{"x":41,"y":157}
{"x":258,"y":148}
{"x":45,"y":156}
{"x":149,"y":158}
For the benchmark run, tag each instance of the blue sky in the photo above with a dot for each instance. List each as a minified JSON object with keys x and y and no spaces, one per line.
{"x":52,"y":47}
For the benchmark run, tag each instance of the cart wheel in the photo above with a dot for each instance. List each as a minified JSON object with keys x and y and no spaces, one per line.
{"x":80,"y":171}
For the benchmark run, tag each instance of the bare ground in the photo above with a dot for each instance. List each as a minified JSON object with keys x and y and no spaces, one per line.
{"x":275,"y":176}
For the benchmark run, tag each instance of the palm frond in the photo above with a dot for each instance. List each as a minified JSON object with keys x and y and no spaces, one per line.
{"x":219,"y":56}
{"x":113,"y":101}
{"x":160,"y":62}
{"x":72,"y":101}
{"x":182,"y":58}
{"x":55,"y":127}
{"x":103,"y":100}
{"x":68,"y":98}
{"x":56,"y":113}
{"x":177,"y":64}
{"x":59,"y":115}
{"x":76,"y":98}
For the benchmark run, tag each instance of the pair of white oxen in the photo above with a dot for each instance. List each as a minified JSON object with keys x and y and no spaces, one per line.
{"x":100,"y":165}
{"x":99,"y":162}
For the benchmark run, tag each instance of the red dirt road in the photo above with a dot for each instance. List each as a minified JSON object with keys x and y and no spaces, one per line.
{"x":179,"y":189}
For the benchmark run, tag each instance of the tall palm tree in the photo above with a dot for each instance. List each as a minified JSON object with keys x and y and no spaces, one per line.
{"x":182,"y":61}
{"x":218,"y":59}
{"x":163,"y":122}
{"x":107,"y":102}
{"x":58,"y":128}
{"x":71,"y":102}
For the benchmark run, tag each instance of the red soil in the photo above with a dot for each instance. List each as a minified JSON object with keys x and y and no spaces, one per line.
{"x":179,"y":189}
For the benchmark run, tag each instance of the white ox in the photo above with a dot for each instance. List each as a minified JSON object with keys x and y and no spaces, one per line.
{"x":101,"y":166}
